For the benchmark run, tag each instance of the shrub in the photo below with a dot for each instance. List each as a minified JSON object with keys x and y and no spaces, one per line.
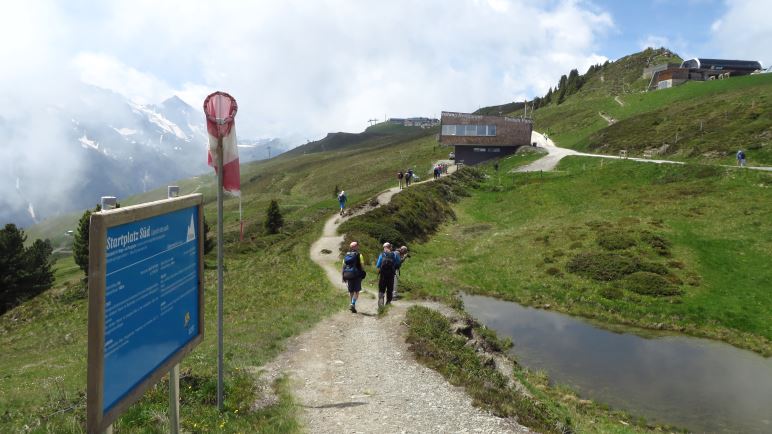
{"x":611,"y":293}
{"x":657,"y":242}
{"x":647,"y":283}
{"x":603,"y":266}
{"x":614,"y":240}
{"x":575,"y":245}
{"x":414,"y":214}
{"x":553,"y":271}
{"x":653,"y":267}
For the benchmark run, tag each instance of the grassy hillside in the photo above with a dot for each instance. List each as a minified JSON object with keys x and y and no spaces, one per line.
{"x":683,"y":248}
{"x":698,"y":121}
{"x":272,"y":291}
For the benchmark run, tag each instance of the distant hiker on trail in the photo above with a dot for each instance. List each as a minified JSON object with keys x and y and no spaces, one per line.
{"x":353,"y":273}
{"x":387,"y":265}
{"x":402,"y":253}
{"x":437,"y":172}
{"x":741,"y":158}
{"x":400,"y":175}
{"x":342,"y":200}
{"x":408,"y":177}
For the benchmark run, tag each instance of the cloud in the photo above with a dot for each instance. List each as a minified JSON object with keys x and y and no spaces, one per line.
{"x":744,"y":31}
{"x":653,"y":41}
{"x":107,"y":72}
{"x":298,"y":69}
{"x":304,"y":68}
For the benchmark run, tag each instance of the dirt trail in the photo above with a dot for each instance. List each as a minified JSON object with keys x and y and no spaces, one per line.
{"x":607,"y":118}
{"x":619,"y":101}
{"x":355,"y":373}
{"x":555,"y":154}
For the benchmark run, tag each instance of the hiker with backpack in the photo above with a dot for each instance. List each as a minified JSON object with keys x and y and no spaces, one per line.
{"x":342,"y":200}
{"x":741,"y":158}
{"x":353,"y":273}
{"x":408,"y":177}
{"x":400,"y":175}
{"x":387,"y":265}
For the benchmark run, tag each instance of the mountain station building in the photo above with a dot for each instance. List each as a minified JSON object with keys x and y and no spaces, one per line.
{"x":477,"y":138}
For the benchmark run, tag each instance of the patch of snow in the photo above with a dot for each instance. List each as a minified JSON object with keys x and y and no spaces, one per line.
{"x":125,"y":131}
{"x":88,"y":143}
{"x":31,"y":212}
{"x":157,"y":119}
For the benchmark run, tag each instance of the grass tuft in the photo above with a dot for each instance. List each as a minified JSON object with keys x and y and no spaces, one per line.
{"x":648,"y":283}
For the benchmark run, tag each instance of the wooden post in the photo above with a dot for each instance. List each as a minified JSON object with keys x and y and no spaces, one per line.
{"x":174,"y":399}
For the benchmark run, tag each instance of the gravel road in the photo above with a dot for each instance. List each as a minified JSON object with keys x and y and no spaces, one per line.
{"x":354,"y":373}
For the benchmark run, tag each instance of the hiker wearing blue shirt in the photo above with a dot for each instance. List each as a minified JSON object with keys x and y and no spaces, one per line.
{"x":741,"y":158}
{"x":387,"y":265}
{"x":342,"y":201}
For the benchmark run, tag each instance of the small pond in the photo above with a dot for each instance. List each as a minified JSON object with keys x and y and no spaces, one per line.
{"x":697,"y":384}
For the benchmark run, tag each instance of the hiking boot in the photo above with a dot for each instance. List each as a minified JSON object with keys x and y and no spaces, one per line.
{"x":353,"y":309}
{"x":380,"y":302}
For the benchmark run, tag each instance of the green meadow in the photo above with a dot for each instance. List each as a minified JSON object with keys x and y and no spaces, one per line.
{"x":683,"y":248}
{"x":272,"y":291}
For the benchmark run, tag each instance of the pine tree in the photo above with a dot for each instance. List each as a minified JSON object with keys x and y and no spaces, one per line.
{"x":274,"y":220}
{"x":13,"y":268}
{"x":80,"y":243}
{"x":24,"y":272}
{"x":39,"y":261}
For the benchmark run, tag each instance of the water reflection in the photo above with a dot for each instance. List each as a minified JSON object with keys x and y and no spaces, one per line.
{"x":695,"y":383}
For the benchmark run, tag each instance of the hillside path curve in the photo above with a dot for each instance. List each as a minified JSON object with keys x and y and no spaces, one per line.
{"x":354,"y":373}
{"x":556,"y":153}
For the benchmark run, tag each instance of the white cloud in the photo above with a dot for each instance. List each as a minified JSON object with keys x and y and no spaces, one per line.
{"x":303,"y":68}
{"x":744,"y":31}
{"x":106,"y":71}
{"x":653,"y":41}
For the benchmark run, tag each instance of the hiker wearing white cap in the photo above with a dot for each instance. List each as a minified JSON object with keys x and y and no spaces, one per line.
{"x":353,"y":273}
{"x":387,"y":264}
{"x":342,"y":200}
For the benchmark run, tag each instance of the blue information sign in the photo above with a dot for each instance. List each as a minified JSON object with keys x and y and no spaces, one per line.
{"x":151,"y":307}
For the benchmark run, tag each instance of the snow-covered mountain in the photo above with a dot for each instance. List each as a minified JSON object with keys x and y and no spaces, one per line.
{"x":108,"y":146}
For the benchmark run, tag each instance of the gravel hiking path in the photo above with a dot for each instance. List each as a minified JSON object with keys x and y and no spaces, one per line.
{"x":555,"y":154}
{"x":354,"y":373}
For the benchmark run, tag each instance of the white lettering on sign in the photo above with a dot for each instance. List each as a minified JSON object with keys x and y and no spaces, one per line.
{"x":128,"y":238}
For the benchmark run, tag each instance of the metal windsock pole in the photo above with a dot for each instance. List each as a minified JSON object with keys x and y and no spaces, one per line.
{"x":220,"y":109}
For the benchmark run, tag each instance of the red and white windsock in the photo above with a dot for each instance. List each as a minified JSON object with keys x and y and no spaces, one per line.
{"x":220,"y":109}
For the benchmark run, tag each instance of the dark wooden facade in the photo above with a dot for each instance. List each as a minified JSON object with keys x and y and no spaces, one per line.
{"x":510,"y":134}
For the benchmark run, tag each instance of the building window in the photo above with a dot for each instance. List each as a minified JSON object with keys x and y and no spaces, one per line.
{"x":494,"y":149}
{"x":478,"y":149}
{"x":469,"y":130}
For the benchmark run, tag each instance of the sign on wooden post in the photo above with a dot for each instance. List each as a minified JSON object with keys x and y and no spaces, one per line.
{"x":146,"y":300}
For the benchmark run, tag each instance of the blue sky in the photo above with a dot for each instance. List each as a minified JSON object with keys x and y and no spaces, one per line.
{"x":684,"y":26}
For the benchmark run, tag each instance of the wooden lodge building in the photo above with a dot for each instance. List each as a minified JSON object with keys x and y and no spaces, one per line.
{"x":477,"y":138}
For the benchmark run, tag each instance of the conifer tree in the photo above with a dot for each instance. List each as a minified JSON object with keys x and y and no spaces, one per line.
{"x":24,"y":272}
{"x":274,"y":220}
{"x":80,"y":243}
